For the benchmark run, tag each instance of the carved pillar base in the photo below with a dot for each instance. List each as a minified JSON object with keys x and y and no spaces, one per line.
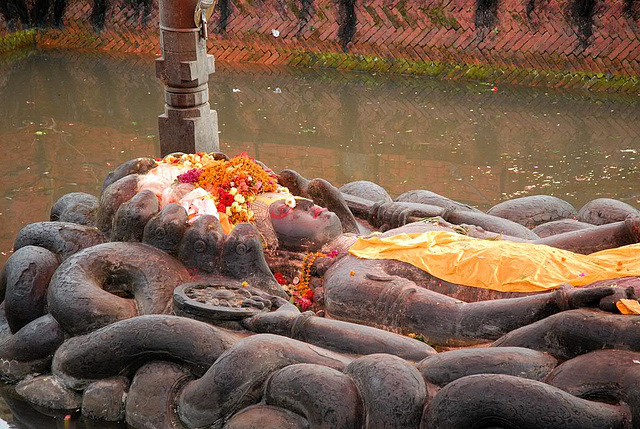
{"x":188,"y":123}
{"x":188,"y":130}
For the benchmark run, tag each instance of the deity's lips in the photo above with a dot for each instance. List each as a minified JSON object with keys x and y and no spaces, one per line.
{"x":317,"y":211}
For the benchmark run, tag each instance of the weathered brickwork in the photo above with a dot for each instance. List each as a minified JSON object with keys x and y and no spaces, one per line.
{"x":591,"y":44}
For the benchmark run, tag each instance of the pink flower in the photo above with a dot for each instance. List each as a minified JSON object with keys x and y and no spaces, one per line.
{"x":304,"y":303}
{"x":243,"y":187}
{"x":190,"y":176}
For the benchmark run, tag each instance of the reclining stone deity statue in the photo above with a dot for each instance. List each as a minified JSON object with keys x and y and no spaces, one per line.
{"x":100,"y":300}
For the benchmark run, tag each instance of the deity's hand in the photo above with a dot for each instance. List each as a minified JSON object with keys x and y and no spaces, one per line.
{"x":586,"y":297}
{"x":396,"y":214}
{"x":257,"y":302}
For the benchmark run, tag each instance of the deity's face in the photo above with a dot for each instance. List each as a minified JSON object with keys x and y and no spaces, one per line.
{"x":305,"y":226}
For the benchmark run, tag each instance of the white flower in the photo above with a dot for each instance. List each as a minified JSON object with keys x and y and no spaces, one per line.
{"x":198,"y":202}
{"x":239,"y":198}
{"x":275,"y":32}
{"x":290,"y":201}
{"x":233,"y":191}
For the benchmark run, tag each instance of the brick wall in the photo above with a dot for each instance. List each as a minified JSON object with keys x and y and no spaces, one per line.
{"x":591,"y":44}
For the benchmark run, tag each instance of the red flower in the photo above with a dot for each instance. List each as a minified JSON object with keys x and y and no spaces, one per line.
{"x":221,"y":208}
{"x":226,"y":199}
{"x":280,"y":278}
{"x":308,"y":294}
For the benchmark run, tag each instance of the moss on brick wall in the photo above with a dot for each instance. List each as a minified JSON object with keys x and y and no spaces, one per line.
{"x":20,"y":40}
{"x":483,"y":73}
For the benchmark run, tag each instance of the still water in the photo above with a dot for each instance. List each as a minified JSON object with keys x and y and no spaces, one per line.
{"x":68,"y":118}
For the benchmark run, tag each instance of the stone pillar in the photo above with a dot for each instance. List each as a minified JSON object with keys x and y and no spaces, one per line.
{"x":188,"y":123}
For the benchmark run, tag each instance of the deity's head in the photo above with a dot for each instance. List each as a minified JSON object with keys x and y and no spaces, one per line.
{"x":240,"y":190}
{"x":296,"y":223}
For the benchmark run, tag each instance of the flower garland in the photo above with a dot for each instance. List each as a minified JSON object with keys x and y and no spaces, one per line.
{"x":233,"y":184}
{"x":301,"y":294}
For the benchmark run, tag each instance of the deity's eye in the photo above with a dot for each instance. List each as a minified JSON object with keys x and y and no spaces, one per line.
{"x":161,"y":233}
{"x":199,"y":246}
{"x":280,"y":211}
{"x":241,"y":249}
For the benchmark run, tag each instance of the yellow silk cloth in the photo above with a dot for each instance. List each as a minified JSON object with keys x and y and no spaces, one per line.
{"x":503,"y":266}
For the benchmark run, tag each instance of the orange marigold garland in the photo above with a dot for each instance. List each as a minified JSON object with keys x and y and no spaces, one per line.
{"x":301,"y":294}
{"x":233,"y":184}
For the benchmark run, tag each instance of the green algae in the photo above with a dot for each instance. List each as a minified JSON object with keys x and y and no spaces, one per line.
{"x":440,"y":18}
{"x":19,"y":40}
{"x":473,"y":72}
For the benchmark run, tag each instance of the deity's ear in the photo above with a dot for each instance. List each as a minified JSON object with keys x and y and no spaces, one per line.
{"x":262,"y":220}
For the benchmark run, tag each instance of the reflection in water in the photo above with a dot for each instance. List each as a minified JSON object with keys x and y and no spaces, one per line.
{"x":67,"y":118}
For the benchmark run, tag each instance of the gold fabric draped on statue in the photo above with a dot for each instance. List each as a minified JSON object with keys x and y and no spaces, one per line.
{"x":499,"y":265}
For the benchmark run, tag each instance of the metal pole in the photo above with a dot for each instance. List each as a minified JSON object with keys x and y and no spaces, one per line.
{"x":188,"y":123}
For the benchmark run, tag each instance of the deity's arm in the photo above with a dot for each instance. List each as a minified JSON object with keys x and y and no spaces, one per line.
{"x":363,"y":292}
{"x":494,"y":318}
